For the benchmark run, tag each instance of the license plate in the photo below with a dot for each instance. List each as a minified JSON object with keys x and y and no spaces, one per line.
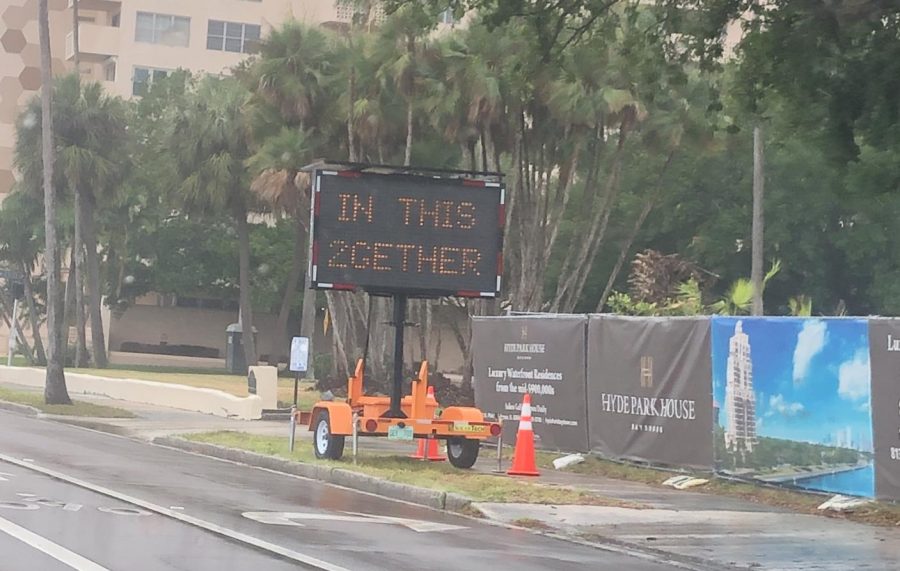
{"x":397,"y":433}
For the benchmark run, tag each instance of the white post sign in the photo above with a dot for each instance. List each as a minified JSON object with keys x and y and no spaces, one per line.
{"x":299,"y":354}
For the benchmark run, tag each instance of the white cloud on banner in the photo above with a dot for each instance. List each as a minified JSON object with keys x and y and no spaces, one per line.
{"x":810,"y":343}
{"x":777,"y":404}
{"x":853,"y":377}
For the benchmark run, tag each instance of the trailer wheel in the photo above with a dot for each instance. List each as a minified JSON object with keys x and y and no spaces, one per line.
{"x":325,"y":444}
{"x":462,"y":452}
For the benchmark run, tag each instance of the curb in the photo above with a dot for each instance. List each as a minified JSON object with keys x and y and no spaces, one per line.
{"x":19,"y":408}
{"x":337,"y":476}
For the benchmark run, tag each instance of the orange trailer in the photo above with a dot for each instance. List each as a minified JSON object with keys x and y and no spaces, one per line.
{"x":462,"y":427}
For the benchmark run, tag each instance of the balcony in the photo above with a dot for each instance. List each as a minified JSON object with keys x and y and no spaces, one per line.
{"x":99,"y":5}
{"x":96,"y":43}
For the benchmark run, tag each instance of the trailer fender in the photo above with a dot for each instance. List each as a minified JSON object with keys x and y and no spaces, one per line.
{"x":340,"y":417}
{"x":462,"y":414}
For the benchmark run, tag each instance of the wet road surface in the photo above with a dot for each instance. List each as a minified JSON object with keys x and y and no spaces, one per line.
{"x":79,"y":495}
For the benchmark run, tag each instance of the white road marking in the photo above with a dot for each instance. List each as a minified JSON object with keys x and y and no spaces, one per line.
{"x":19,"y":506}
{"x":304,"y":559}
{"x":290,"y":518}
{"x":72,"y":507}
{"x":123,"y":511}
{"x":43,"y":544}
{"x":4,"y":477}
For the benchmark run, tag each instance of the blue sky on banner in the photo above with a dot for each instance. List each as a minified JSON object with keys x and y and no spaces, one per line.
{"x":811,"y":378}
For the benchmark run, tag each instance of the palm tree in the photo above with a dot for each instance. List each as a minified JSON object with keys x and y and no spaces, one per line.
{"x":20,"y":237}
{"x":289,"y":80}
{"x":92,"y":160}
{"x":55,"y":391}
{"x":210,"y":140}
{"x":91,"y":142}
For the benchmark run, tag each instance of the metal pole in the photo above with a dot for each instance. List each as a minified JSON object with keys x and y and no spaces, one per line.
{"x":500,"y":449}
{"x":397,"y":389}
{"x":296,"y":382}
{"x":355,"y":435}
{"x":13,"y":333}
{"x":293,"y":426}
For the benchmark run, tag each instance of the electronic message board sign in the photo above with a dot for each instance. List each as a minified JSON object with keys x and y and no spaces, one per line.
{"x":406,"y":234}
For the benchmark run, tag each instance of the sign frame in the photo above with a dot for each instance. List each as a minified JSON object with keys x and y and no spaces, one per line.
{"x":488,"y":181}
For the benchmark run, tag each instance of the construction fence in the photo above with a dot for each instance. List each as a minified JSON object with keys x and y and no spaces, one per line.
{"x":806,"y":402}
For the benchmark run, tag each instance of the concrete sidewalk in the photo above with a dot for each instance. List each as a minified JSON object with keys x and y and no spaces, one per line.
{"x":715,"y":532}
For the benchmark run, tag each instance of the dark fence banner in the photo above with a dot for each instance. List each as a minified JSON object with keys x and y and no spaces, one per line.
{"x":544,"y":356}
{"x":795,"y":401}
{"x":649,"y":389}
{"x":884,"y":351}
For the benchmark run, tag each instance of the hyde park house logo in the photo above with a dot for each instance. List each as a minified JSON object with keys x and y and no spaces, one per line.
{"x":646,"y":372}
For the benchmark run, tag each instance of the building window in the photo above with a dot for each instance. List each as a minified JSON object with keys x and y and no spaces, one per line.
{"x":109,"y":71}
{"x":232,"y":37}
{"x":116,"y":20}
{"x":347,"y":11}
{"x":144,"y":76}
{"x":163,"y":29}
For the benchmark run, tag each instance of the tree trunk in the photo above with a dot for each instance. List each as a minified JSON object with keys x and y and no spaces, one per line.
{"x":78,"y":258}
{"x":629,"y":242}
{"x":407,"y":157}
{"x":55,"y":391}
{"x":341,"y":365}
{"x":579,"y":261}
{"x":98,"y":339}
{"x":756,"y":269}
{"x":68,"y":304}
{"x":249,"y":343}
{"x":33,"y":317}
{"x":351,"y":131}
{"x":290,"y":292}
{"x":308,"y":325}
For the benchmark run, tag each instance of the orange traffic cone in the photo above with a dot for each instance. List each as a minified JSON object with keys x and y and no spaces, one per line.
{"x":430,"y":450}
{"x":523,"y":457}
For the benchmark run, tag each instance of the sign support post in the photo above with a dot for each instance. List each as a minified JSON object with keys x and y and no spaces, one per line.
{"x":299,"y":361}
{"x":397,"y":387}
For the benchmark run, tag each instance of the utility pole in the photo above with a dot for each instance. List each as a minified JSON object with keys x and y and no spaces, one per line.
{"x":756,"y":268}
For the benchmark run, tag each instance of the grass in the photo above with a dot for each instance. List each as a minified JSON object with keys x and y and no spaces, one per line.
{"x":77,"y":408}
{"x":231,"y":384}
{"x":17,"y":360}
{"x":437,"y":476}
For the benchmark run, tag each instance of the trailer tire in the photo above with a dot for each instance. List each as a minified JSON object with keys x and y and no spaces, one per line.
{"x":463,"y":452}
{"x":326,"y":445}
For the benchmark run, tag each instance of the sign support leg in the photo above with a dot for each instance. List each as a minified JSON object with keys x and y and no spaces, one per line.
{"x":296,"y":382}
{"x":397,"y":388}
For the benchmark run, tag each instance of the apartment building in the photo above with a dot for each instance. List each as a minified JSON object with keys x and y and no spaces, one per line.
{"x":126,"y":44}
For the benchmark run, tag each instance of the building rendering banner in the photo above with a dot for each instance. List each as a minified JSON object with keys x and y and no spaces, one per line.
{"x":884,"y":347}
{"x":544,"y":356}
{"x":793,"y":401}
{"x":649,"y":386}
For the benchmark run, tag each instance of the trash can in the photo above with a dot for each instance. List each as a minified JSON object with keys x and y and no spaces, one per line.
{"x":234,"y":349}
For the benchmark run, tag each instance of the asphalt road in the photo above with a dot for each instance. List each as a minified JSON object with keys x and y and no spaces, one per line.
{"x":72,"y":498}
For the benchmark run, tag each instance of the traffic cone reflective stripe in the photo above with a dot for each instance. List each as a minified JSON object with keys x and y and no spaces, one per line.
{"x":428,"y":447}
{"x":523,"y":458}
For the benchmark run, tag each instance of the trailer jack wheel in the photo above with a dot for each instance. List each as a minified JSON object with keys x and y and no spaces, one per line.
{"x":326,"y":445}
{"x":462,"y":452}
